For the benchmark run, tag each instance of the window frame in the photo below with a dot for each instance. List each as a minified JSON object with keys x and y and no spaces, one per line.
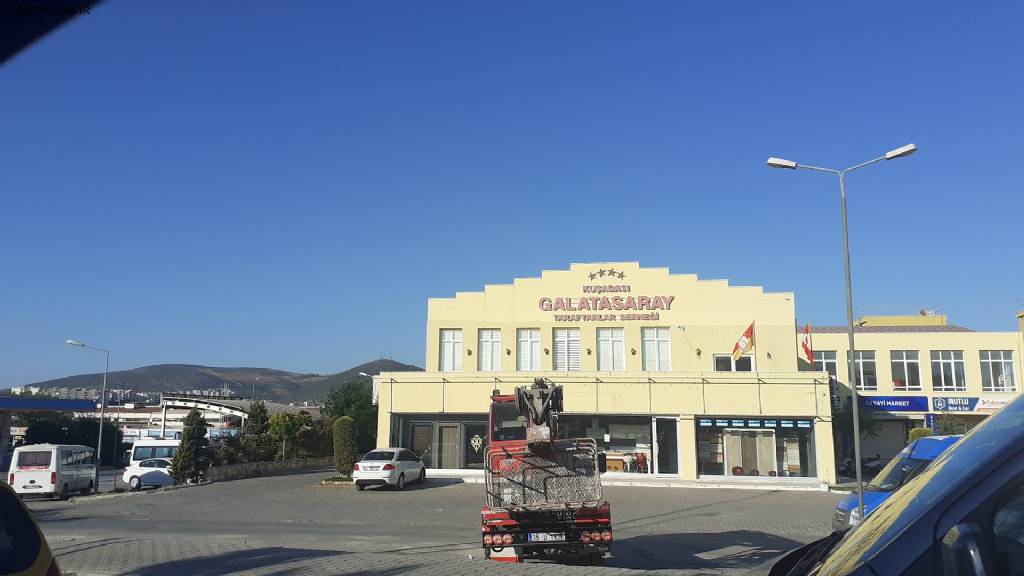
{"x":489,"y":349}
{"x":566,"y":339}
{"x":858,"y":367}
{"x":1005,"y":361}
{"x":455,"y":346}
{"x":661,"y":364}
{"x":824,"y":362}
{"x":616,"y":339}
{"x":952,"y":361}
{"x":533,"y":347}
{"x":732,"y":363}
{"x":906,"y":364}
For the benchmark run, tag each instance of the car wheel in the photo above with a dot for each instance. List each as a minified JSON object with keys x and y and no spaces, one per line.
{"x":134,"y":484}
{"x":423,"y":475}
{"x":360,"y":487}
{"x":63,"y":492}
{"x":401,"y":482}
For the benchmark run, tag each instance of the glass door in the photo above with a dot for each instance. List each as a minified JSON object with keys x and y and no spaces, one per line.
{"x":448,"y":446}
{"x":667,"y":444}
{"x":475,"y":445}
{"x":422,"y":434}
{"x":750,"y":452}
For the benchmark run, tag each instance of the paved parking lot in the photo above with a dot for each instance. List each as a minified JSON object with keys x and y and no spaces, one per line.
{"x":291,"y":525}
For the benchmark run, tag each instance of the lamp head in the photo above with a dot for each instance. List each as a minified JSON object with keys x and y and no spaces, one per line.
{"x":75,"y":343}
{"x":781,"y":163}
{"x":900,"y":152}
{"x":365,"y":374}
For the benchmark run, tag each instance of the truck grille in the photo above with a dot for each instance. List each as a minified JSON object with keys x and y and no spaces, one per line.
{"x":519,"y":476}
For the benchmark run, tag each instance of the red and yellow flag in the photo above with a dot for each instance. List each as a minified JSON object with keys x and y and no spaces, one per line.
{"x":744,"y":344}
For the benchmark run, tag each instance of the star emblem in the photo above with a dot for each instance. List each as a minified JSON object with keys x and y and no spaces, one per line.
{"x":622,"y":274}
{"x":601,"y":272}
{"x":593,"y":275}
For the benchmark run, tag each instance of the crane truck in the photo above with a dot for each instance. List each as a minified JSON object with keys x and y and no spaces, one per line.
{"x":543,"y":491}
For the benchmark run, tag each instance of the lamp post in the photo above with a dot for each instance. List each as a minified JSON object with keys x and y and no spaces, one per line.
{"x":852,"y":359}
{"x":103,"y":403}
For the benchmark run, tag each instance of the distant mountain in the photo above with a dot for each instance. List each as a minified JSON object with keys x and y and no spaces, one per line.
{"x":274,"y":385}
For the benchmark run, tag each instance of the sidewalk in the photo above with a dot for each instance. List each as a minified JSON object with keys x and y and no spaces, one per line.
{"x":659,"y":481}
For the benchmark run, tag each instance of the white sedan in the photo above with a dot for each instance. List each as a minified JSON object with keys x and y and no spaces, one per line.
{"x":388,"y":467}
{"x":152,"y":472}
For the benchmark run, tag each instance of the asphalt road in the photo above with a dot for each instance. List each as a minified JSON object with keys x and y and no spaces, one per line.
{"x":291,"y":525}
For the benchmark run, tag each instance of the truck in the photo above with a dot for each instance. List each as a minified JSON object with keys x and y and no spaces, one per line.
{"x":543,"y":491}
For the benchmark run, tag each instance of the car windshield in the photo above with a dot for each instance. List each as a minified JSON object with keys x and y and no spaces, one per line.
{"x":40,"y":458}
{"x":896,"y":473}
{"x":992,"y":441}
{"x":506,"y":422}
{"x":380,"y":455}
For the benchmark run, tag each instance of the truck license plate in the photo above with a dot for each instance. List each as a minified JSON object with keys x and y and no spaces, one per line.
{"x":547,"y":537}
{"x":31,"y":486}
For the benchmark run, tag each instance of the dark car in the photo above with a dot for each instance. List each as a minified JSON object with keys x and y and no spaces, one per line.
{"x":963,"y":515}
{"x":23,"y":549}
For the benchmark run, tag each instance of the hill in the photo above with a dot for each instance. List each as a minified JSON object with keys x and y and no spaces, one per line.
{"x":274,"y":385}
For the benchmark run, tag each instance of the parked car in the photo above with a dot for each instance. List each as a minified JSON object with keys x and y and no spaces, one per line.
{"x":388,"y":467}
{"x":52,"y":470}
{"x":152,"y":472}
{"x":962,"y":515}
{"x":147,"y":448}
{"x":900,"y":470}
{"x":23,"y":548}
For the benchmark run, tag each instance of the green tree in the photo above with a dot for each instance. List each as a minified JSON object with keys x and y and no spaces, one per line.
{"x":229,"y":452}
{"x":355,"y":400}
{"x":83,"y":431}
{"x":284,"y":426}
{"x":950,"y":424}
{"x":916,"y":433}
{"x":192,"y":457}
{"x":345,"y":452}
{"x":258,"y":419}
{"x":257,"y":445}
{"x":46,"y":432}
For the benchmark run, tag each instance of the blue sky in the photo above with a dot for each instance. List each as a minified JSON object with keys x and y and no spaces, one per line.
{"x":285,"y":184}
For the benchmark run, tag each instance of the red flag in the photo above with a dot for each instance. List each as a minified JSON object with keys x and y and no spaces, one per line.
{"x":806,"y":344}
{"x":744,"y":344}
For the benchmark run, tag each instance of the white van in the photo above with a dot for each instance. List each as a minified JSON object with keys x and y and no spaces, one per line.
{"x":52,"y":469}
{"x":149,"y":448}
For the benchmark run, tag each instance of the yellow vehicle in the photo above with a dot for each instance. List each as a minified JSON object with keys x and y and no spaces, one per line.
{"x":23,"y":548}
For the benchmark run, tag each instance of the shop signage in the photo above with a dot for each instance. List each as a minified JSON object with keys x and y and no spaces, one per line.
{"x":954,"y":403}
{"x":751,"y":423}
{"x":992,"y":404}
{"x":895,"y":403}
{"x":606,"y":302}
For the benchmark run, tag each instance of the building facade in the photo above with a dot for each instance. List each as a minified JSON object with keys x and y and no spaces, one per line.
{"x":645,"y":359}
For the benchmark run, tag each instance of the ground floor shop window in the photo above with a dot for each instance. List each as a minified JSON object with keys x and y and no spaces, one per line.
{"x":451,"y":441}
{"x":625,"y":440}
{"x":774,"y":447}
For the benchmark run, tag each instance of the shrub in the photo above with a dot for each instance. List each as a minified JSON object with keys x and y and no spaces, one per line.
{"x":345,"y":454}
{"x":918,"y":433}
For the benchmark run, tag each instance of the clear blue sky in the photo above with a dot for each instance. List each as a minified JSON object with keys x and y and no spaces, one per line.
{"x":285,"y":184}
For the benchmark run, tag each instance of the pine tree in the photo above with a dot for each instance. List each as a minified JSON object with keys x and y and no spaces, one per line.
{"x":192,"y":457}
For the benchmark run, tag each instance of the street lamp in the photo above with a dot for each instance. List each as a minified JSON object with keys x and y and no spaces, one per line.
{"x":103,"y":403}
{"x":852,"y":360}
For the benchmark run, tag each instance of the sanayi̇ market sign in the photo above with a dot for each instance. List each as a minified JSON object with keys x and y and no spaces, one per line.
{"x":895,"y":403}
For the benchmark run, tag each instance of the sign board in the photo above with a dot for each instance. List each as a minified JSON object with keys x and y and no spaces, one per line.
{"x":992,"y":403}
{"x":954,"y":403}
{"x":895,"y":403}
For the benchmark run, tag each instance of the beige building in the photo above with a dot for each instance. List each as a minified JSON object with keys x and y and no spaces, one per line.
{"x":645,"y":358}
